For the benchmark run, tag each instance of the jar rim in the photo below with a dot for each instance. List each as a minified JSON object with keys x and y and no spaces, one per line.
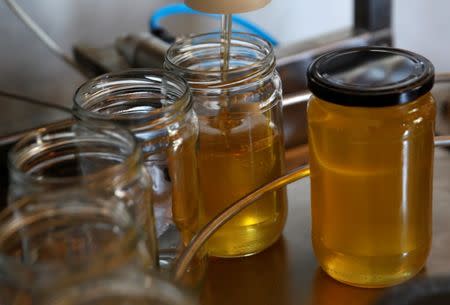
{"x":61,"y":134}
{"x":94,"y":91}
{"x":177,"y":56}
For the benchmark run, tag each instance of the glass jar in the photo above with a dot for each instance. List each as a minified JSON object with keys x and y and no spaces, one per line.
{"x":97,"y":161}
{"x":128,"y":286}
{"x":64,"y":236}
{"x":157,"y":107}
{"x":371,"y":128}
{"x":241,"y":135}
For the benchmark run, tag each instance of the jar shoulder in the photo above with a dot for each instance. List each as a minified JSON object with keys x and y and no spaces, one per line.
{"x":420,"y":110}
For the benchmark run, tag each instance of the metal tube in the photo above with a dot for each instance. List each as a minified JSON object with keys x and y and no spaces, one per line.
{"x":226,"y":40}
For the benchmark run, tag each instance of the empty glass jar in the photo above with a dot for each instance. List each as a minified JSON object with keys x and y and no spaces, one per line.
{"x":157,"y":107}
{"x":93,"y":161}
{"x":64,"y":236}
{"x":371,"y":128}
{"x":241,"y":135}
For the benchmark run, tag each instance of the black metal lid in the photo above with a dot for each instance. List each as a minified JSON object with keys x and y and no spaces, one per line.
{"x":370,"y":77}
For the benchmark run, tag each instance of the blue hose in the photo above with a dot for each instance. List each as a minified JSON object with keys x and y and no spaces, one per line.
{"x":180,"y":8}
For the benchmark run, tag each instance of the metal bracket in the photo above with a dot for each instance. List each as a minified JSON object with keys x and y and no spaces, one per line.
{"x":372,"y":15}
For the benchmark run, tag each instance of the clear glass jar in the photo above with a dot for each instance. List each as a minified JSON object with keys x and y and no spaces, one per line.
{"x":64,"y":236}
{"x":128,"y":286}
{"x":157,"y":107}
{"x":241,"y":135}
{"x":371,"y":129}
{"x":94,"y":161}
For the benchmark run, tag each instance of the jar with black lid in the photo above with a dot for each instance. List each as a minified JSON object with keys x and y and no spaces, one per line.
{"x":371,"y":127}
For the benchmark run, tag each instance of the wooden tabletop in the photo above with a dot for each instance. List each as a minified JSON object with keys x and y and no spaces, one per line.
{"x":287,"y":273}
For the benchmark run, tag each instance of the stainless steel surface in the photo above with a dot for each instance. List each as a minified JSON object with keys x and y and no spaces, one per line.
{"x":23,"y":116}
{"x":287,"y":273}
{"x":96,"y":61}
{"x":142,"y":50}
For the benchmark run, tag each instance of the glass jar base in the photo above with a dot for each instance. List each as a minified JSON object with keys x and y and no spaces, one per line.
{"x":373,"y":281}
{"x":246,"y":242}
{"x":371,"y":271}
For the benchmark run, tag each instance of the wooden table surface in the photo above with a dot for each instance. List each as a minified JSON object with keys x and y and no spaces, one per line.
{"x":288,"y":274}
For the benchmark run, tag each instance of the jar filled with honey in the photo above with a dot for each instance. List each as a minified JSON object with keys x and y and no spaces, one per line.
{"x":371,"y":127}
{"x":240,"y":138}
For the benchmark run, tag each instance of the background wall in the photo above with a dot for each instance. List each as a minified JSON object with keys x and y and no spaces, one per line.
{"x":27,"y":67}
{"x":424,"y":27}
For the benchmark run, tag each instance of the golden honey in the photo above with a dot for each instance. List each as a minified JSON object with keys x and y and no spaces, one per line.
{"x":235,"y":158}
{"x":185,"y":196}
{"x":371,"y":189}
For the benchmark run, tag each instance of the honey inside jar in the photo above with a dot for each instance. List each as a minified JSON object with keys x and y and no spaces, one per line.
{"x":237,"y":98}
{"x":237,"y":154}
{"x":182,"y":167}
{"x":368,"y":188}
{"x":370,"y":132}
